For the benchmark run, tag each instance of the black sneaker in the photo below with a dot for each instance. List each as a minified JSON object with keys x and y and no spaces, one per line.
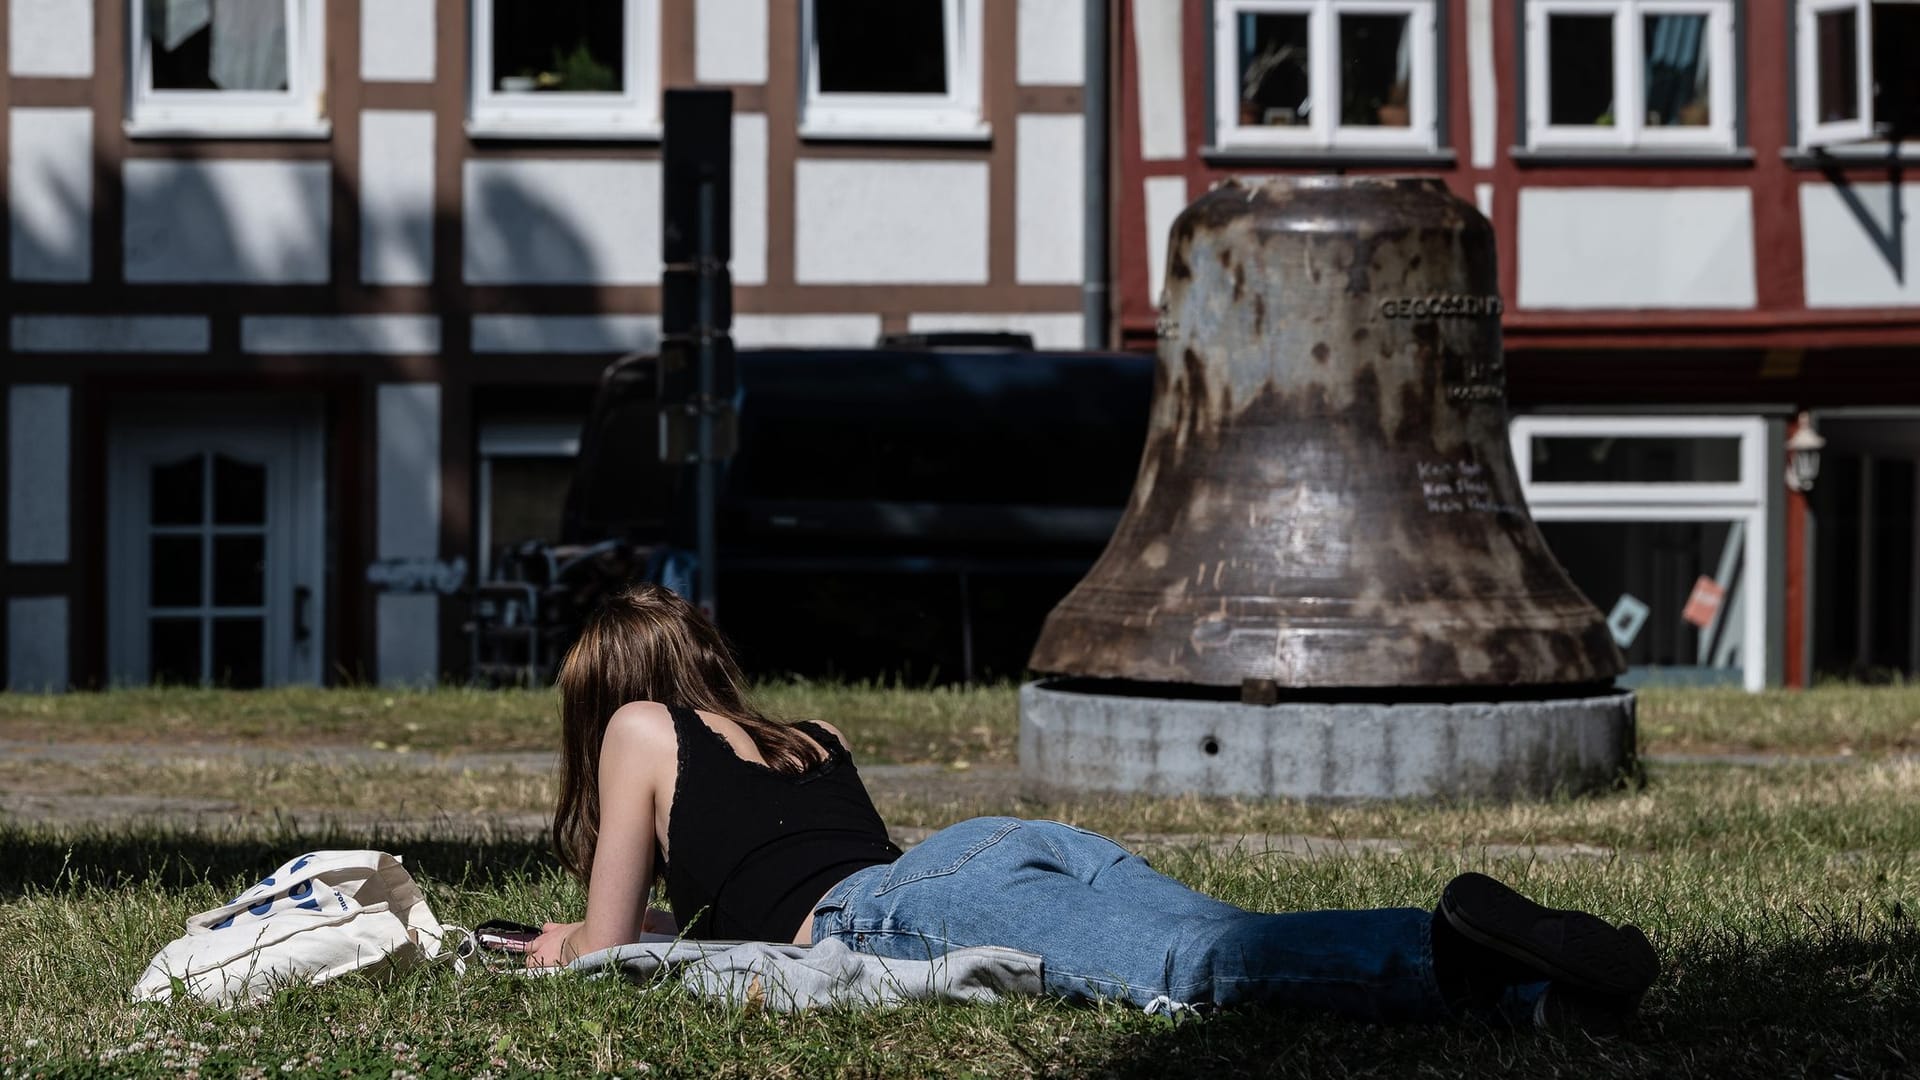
{"x":1568,"y":1010}
{"x":1581,"y":952}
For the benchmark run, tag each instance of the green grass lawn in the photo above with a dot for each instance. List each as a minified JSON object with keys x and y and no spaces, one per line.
{"x":1781,"y":901}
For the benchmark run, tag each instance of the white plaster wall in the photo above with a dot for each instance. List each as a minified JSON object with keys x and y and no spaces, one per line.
{"x":227,"y":222}
{"x":396,"y":40}
{"x":39,"y":420}
{"x":341,"y":335}
{"x":1483,"y":100}
{"x":534,"y":222}
{"x":749,"y":198}
{"x":407,"y":525}
{"x":1161,"y":96}
{"x":1166,"y":197}
{"x":565,"y":333}
{"x":730,"y":41}
{"x":1049,"y":199}
{"x":36,"y":643}
{"x":879,"y":222}
{"x":1483,"y":198}
{"x":408,"y":452}
{"x":1063,"y":330}
{"x":1636,"y":248}
{"x":50,"y":193}
{"x":396,"y":197}
{"x":1052,"y":43}
{"x":407,"y":628}
{"x":109,"y":333}
{"x":50,"y":39}
{"x":1856,"y":256}
{"x":805,"y":331}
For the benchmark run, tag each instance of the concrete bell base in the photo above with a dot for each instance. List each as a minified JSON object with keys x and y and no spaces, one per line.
{"x":1349,"y":751}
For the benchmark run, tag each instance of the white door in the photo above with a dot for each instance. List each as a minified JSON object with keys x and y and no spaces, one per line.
{"x":215,"y":551}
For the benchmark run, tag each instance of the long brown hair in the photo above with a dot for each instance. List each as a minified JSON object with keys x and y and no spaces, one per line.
{"x":645,"y":643}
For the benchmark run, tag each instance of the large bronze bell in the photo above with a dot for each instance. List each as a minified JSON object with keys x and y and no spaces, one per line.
{"x":1327,"y":498}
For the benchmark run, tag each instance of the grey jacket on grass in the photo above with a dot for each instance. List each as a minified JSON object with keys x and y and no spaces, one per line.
{"x":789,"y":978}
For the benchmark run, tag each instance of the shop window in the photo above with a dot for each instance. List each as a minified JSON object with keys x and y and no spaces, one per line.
{"x":1858,"y":79}
{"x":1324,"y":74}
{"x":1630,"y":74}
{"x":544,"y":70}
{"x":891,"y":69}
{"x":226,"y":68}
{"x":1634,"y":459}
{"x":1662,"y":523}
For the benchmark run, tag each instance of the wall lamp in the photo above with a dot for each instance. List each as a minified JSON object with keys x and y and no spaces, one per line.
{"x":1803,"y":454}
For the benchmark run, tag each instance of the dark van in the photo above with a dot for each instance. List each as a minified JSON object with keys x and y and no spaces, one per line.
{"x":909,"y":511}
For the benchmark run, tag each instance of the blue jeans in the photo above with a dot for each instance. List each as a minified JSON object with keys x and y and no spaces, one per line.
{"x":1107,"y":925}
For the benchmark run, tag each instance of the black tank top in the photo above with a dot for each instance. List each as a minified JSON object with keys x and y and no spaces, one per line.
{"x":755,"y":849}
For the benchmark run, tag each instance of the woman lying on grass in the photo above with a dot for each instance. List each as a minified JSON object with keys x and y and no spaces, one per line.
{"x":763,"y":831}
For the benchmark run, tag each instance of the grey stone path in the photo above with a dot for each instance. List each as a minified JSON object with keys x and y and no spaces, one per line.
{"x":923,"y":783}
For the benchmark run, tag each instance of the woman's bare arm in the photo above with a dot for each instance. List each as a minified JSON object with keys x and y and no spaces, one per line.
{"x":638,"y":738}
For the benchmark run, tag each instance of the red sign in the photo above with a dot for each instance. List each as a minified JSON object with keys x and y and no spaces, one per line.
{"x":1704,"y":604}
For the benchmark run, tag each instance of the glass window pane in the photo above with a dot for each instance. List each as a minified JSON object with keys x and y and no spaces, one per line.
{"x":1273,"y":70}
{"x":239,"y":492}
{"x":1376,"y":70}
{"x":173,"y":571}
{"x":559,"y":47}
{"x":1637,"y":459}
{"x":527,"y":496}
{"x":238,"y":652}
{"x":1580,"y":70}
{"x":1837,"y":43}
{"x":239,"y":570}
{"x":1646,"y":574}
{"x":881,"y":46}
{"x":1677,"y":87}
{"x":173,"y":652}
{"x":1896,"y":75}
{"x":218,"y":44}
{"x":177,"y":491}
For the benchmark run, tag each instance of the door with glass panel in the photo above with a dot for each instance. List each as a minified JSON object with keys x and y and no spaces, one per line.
{"x":215,"y":550}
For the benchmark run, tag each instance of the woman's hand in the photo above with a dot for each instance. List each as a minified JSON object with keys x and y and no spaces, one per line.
{"x":550,"y":949}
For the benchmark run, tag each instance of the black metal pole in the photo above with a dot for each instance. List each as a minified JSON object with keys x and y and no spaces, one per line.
{"x":695,"y":367}
{"x":706,"y":587}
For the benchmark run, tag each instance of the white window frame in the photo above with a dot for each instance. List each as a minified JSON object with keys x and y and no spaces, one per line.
{"x":633,"y":113}
{"x":298,"y":112}
{"x":951,"y":117}
{"x":1324,"y":131}
{"x":1743,"y":500}
{"x":1629,"y":130}
{"x":1813,"y":133}
{"x":516,"y":439}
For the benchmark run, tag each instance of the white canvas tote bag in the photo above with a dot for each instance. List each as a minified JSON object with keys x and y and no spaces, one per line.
{"x":323,"y":914}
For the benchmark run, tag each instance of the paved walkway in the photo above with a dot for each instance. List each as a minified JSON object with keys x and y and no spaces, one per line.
{"x":933,"y":784}
{"x":543,"y":760}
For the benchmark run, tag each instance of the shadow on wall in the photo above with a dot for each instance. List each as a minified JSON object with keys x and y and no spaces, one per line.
{"x":1885,"y":228}
{"x":204,"y":221}
{"x":50,"y":196}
